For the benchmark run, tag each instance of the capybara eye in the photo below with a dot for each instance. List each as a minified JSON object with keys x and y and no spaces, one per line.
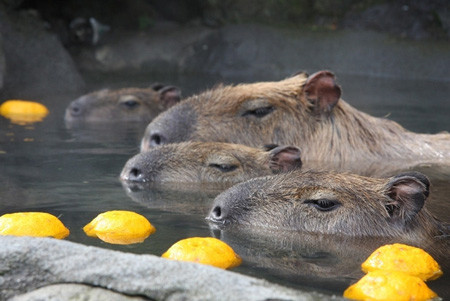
{"x":224,"y":167}
{"x":130,"y":103}
{"x":259,"y":112}
{"x":324,"y":204}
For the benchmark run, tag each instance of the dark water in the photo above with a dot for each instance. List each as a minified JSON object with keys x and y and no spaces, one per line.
{"x":73,"y":174}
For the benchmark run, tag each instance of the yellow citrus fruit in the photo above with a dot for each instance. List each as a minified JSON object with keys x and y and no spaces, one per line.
{"x":389,"y":285}
{"x":23,"y":111}
{"x":206,"y":250}
{"x":120,"y":227}
{"x":38,"y":224}
{"x":403,"y":258}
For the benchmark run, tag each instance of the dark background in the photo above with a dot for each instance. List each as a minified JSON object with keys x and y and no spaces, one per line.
{"x":48,"y":46}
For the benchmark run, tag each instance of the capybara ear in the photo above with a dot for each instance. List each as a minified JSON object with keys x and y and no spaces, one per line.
{"x":169,"y":96}
{"x":157,"y":86}
{"x":321,"y":91}
{"x":269,"y":147}
{"x":407,"y":192}
{"x":284,"y":158}
{"x":302,"y":73}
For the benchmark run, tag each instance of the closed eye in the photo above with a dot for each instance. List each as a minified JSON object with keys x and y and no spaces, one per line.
{"x":259,"y":112}
{"x":224,"y":167}
{"x":130,"y":103}
{"x":323,"y":204}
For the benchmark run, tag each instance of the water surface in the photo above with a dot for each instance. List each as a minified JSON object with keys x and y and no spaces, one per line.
{"x":73,"y":174}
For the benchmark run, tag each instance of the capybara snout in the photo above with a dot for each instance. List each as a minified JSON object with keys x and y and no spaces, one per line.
{"x":177,"y":128}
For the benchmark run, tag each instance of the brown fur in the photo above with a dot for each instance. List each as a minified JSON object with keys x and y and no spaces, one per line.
{"x":331,"y":135}
{"x":203,"y":162}
{"x":126,"y":104}
{"x":360,"y":206}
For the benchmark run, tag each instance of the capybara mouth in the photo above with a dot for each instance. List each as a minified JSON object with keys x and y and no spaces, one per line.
{"x":132,"y":187}
{"x":215,"y":224}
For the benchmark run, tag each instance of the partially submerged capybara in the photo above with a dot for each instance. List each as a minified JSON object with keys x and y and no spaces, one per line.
{"x":301,"y":110}
{"x":332,"y":203}
{"x":126,"y":104}
{"x":206,"y":162}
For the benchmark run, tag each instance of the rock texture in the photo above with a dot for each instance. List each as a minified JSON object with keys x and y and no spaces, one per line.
{"x":35,"y":62}
{"x":74,"y":292}
{"x":258,"y":51}
{"x":27,"y":264}
{"x":2,"y":63}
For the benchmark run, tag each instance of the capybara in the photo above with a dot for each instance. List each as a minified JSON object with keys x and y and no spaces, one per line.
{"x":126,"y":104}
{"x":332,"y":203}
{"x":301,"y":110}
{"x":205,"y":162}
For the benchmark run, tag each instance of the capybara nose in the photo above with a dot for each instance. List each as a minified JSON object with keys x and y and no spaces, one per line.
{"x":157,"y":139}
{"x":133,"y":174}
{"x":216,"y":214}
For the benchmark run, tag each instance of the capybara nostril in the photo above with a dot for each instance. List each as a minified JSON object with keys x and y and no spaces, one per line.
{"x":157,"y":139}
{"x":75,"y":110}
{"x":216,"y":213}
{"x":135,"y":174}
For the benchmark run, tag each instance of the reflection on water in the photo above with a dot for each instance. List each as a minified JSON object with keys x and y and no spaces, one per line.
{"x":73,"y":174}
{"x":310,"y":261}
{"x":185,"y":198}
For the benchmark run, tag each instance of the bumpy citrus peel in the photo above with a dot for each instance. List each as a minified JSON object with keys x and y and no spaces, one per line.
{"x":396,"y":272}
{"x":389,"y":285}
{"x":399,"y":257}
{"x":205,"y":250}
{"x":39,"y":224}
{"x":23,"y":111}
{"x":120,"y":227}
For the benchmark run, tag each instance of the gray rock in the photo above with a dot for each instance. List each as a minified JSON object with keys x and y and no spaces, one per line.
{"x":29,"y":263}
{"x":263,"y":52}
{"x":73,"y":292}
{"x":2,"y":63}
{"x":417,"y":20}
{"x":163,"y":50}
{"x":35,"y":60}
{"x":258,"y":50}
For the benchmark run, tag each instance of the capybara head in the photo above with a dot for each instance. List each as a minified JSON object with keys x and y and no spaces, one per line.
{"x":330,"y":203}
{"x":251,"y":114}
{"x":203,"y":162}
{"x":126,"y":104}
